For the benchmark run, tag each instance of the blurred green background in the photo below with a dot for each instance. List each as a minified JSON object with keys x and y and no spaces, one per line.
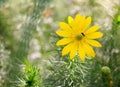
{"x":27,"y":32}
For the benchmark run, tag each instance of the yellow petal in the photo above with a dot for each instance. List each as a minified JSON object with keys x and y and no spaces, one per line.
{"x":79,"y":22}
{"x":64,"y":41}
{"x":64,"y":26}
{"x":94,"y":43}
{"x":72,"y":54}
{"x":78,"y":17}
{"x":94,"y":35}
{"x":92,"y":29}
{"x":70,"y":19}
{"x":63,"y":33}
{"x":81,"y":52}
{"x":88,"y":50}
{"x":73,"y":51}
{"x":66,"y":49}
{"x":86,"y":23}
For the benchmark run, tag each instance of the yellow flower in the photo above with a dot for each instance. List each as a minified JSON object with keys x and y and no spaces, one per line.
{"x":78,"y":37}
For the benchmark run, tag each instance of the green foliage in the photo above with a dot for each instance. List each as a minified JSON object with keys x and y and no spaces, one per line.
{"x":107,"y":76}
{"x":30,"y":76}
{"x":4,"y":55}
{"x":2,"y":2}
{"x":22,"y":45}
{"x":67,"y":73}
{"x":5,"y":32}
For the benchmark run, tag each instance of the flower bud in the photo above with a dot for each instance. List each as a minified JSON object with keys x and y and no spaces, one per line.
{"x":105,"y":70}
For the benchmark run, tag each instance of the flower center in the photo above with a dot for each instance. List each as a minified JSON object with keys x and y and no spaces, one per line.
{"x":80,"y":36}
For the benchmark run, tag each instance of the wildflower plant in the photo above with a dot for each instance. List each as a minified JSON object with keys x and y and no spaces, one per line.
{"x":30,"y":76}
{"x":70,"y":71}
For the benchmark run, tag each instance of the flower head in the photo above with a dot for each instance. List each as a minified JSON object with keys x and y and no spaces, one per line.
{"x":78,"y":37}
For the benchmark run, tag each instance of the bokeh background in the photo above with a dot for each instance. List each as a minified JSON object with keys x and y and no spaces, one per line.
{"x":27,"y":31}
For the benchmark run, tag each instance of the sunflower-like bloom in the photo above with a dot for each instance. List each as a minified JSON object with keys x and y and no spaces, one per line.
{"x":78,"y":37}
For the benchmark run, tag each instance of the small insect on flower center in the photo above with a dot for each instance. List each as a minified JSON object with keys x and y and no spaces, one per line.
{"x":80,"y":36}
